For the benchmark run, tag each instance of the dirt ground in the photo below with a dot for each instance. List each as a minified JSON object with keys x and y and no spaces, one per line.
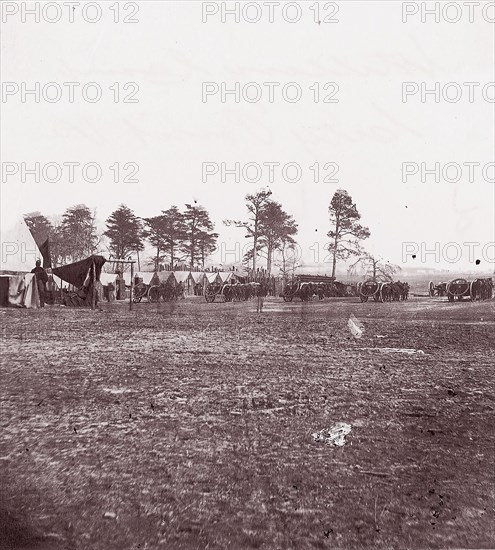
{"x":189,"y":426}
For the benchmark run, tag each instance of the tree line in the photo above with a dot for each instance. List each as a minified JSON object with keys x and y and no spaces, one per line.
{"x":187,"y":236}
{"x":177,"y":236}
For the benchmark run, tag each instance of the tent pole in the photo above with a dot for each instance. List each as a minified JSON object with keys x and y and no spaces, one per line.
{"x":93,"y":293}
{"x":132,"y":286}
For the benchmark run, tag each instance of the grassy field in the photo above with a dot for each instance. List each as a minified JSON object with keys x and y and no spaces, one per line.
{"x":189,"y":426}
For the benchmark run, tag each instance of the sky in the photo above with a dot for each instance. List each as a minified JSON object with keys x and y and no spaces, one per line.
{"x":172,"y":130}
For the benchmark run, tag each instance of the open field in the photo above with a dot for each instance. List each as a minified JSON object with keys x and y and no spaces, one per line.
{"x":189,"y":426}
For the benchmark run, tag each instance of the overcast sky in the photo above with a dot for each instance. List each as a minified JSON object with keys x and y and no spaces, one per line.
{"x":170,"y":131}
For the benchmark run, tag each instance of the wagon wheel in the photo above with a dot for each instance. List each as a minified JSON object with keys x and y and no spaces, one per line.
{"x":227,"y":293}
{"x":210,"y":295}
{"x":457,"y":292}
{"x":431,"y":288}
{"x":363,"y":298}
{"x":450,"y":297}
{"x":472,"y":292}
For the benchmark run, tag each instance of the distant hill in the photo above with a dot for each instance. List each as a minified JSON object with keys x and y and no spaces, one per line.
{"x":406,"y":273}
{"x":414,"y":273}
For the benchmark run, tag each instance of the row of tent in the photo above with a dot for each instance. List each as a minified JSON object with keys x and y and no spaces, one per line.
{"x":189,"y":279}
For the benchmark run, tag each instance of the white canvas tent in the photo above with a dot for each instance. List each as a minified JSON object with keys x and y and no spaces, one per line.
{"x":213,"y":277}
{"x":18,"y":256}
{"x":186,"y":278}
{"x":146,"y":276}
{"x":198,"y":277}
{"x":163,"y":277}
{"x":19,"y":250}
{"x":107,"y":278}
{"x":227,"y":276}
{"x":19,"y":290}
{"x":182,"y":276}
{"x":198,"y":282}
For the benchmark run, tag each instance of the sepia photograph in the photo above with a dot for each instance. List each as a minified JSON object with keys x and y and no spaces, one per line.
{"x":246,"y":275}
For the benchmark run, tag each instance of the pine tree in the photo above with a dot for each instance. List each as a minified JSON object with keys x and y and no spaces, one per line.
{"x":255,"y":205}
{"x":277,"y":228}
{"x":167,"y":233}
{"x":346,"y":232}
{"x":125,"y":232}
{"x":77,"y":236}
{"x":198,"y":230}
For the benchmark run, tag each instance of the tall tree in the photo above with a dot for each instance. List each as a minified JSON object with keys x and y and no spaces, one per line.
{"x":77,"y":233}
{"x":276,"y":227}
{"x":255,"y":205}
{"x":167,"y":233}
{"x":197,"y":225}
{"x":174,"y":233}
{"x":346,"y":232}
{"x":207,"y":244}
{"x":154,"y":233}
{"x":125,"y":232}
{"x":374,"y":267}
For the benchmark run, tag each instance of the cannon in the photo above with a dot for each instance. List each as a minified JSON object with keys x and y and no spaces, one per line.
{"x":383,"y":291}
{"x":218,"y":292}
{"x":437,"y":290}
{"x":140,"y":291}
{"x":297,"y":289}
{"x":460,"y":289}
{"x":235,"y":292}
{"x":371,"y":289}
{"x":307,"y":286}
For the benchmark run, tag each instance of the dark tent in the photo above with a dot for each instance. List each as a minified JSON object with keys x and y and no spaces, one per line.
{"x":42,"y":241}
{"x":83,"y":275}
{"x":45,"y":253}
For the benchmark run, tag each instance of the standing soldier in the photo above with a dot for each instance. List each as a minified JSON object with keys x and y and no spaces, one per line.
{"x":261,"y":292}
{"x":41,"y":280}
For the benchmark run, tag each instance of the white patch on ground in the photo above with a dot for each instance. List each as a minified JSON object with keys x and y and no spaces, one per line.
{"x":355,"y":326}
{"x":334,"y":435}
